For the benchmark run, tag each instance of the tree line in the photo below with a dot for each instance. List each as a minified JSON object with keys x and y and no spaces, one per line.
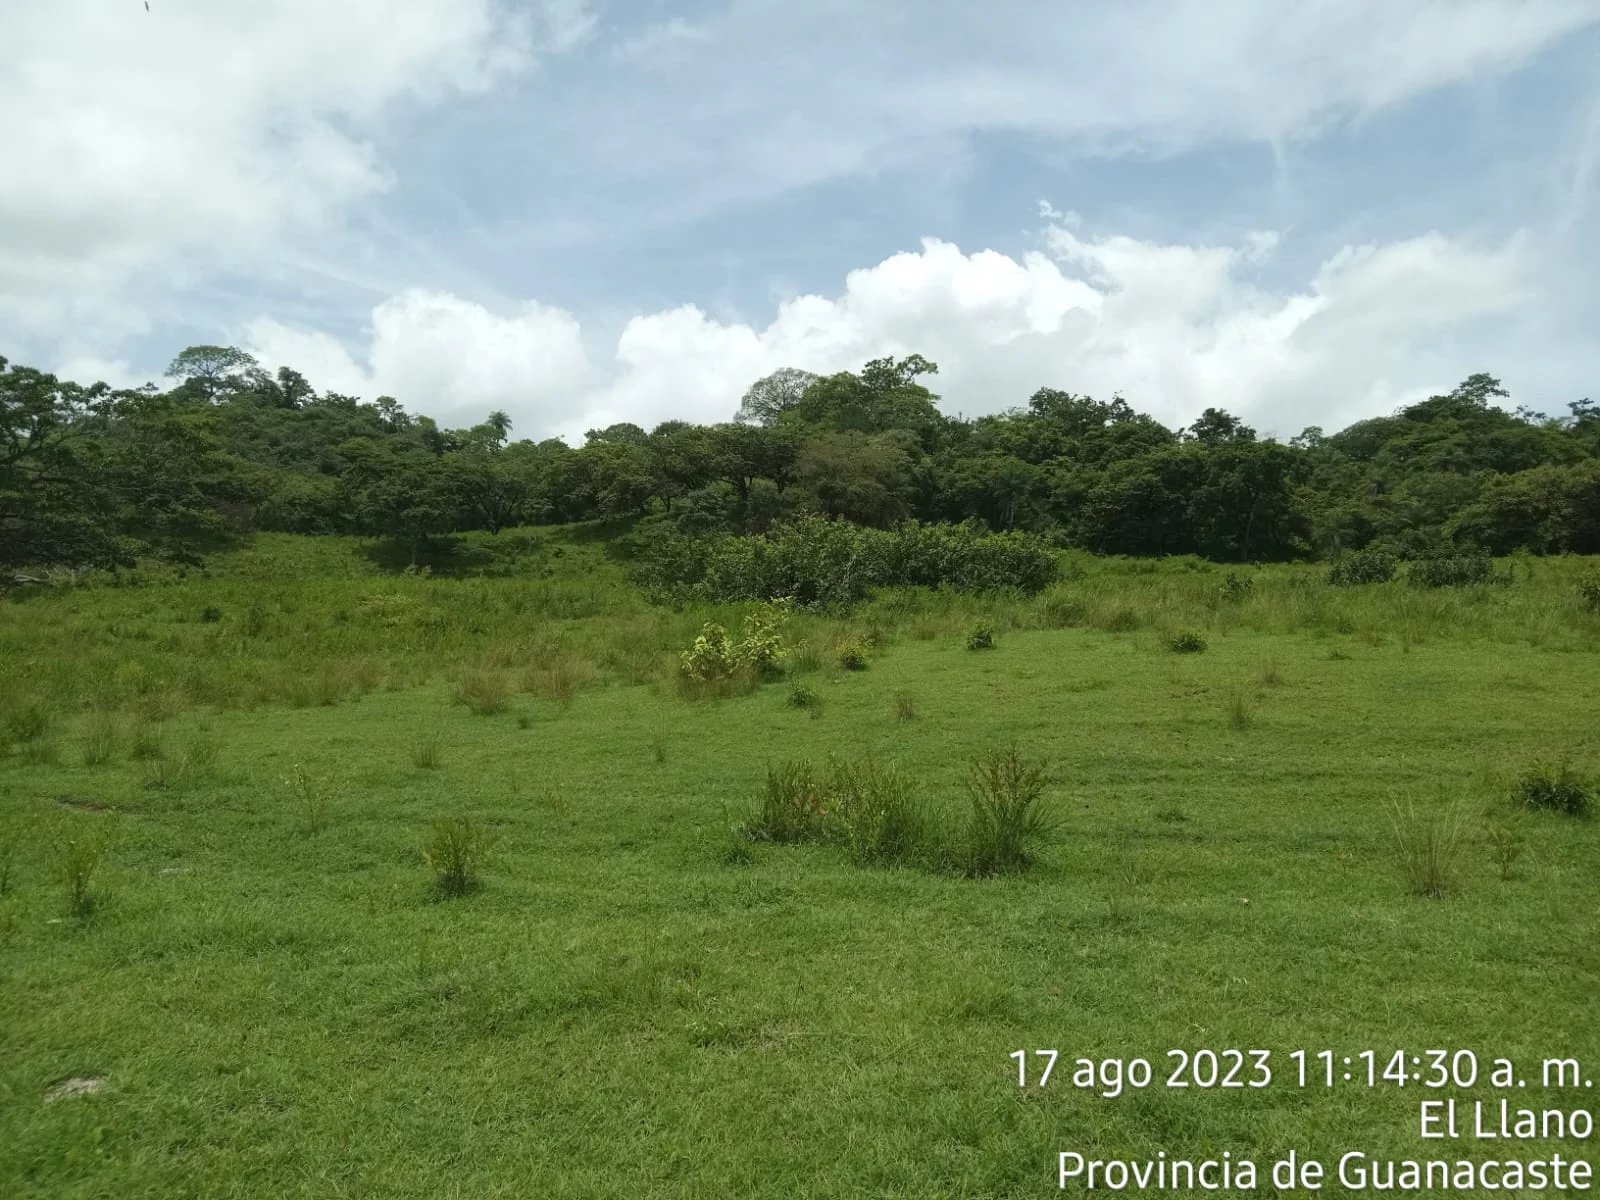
{"x":96,"y":476}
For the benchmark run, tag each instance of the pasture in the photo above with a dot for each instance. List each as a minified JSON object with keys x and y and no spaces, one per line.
{"x":259,"y":973}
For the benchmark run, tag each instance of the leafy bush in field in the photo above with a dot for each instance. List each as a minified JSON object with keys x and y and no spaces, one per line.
{"x":852,"y":655}
{"x":1452,"y":570}
{"x":819,"y":562}
{"x":1554,"y":787}
{"x":760,"y":652}
{"x":711,"y":656}
{"x":1186,"y":641}
{"x":803,"y":696}
{"x":980,"y":637}
{"x":1362,"y":566}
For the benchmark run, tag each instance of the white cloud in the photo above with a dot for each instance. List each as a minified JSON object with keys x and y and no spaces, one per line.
{"x":751,"y":115}
{"x":447,"y":357}
{"x":1175,"y":328}
{"x":190,"y":136}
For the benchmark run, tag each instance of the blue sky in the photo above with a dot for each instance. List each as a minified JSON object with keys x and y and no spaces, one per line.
{"x":584,"y":211}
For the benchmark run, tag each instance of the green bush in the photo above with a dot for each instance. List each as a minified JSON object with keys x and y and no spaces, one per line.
{"x":821,"y":563}
{"x":980,"y":636}
{"x":1186,"y":641}
{"x":802,"y":696}
{"x":1554,"y":787}
{"x":1362,"y":566}
{"x":1452,"y":570}
{"x":852,"y":655}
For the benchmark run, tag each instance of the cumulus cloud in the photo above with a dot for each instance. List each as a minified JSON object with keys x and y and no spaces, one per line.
{"x":444,"y":356}
{"x":1175,"y":328}
{"x":188,"y":137}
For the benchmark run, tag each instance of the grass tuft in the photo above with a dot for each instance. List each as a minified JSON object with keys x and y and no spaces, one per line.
{"x":1427,"y":847}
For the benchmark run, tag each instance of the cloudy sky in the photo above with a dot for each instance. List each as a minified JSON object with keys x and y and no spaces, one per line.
{"x":585,"y":211}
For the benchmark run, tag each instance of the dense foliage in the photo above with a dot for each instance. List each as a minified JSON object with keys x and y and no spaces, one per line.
{"x":94,"y":476}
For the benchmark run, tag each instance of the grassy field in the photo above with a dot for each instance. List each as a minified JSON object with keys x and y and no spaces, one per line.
{"x":273,"y":1000}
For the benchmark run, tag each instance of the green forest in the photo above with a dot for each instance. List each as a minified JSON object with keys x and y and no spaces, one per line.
{"x":99,"y":478}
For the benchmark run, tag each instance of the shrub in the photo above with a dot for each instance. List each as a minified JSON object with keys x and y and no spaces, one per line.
{"x":1427,"y":848}
{"x":761,"y":650}
{"x":852,"y":655}
{"x":1452,"y":570}
{"x":210,"y":614}
{"x":980,"y":636}
{"x":453,"y":852}
{"x":1186,"y":641}
{"x":1006,"y":824}
{"x":1360,"y":567}
{"x":802,"y":696}
{"x":878,"y":815}
{"x":711,"y":657}
{"x":1554,"y":787}
{"x":78,"y":857}
{"x":1589,"y":591}
{"x":820,"y":563}
{"x":793,"y":806}
{"x":483,"y":692}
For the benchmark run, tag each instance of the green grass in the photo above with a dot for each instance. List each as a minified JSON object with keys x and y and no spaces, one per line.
{"x":632,"y":1002}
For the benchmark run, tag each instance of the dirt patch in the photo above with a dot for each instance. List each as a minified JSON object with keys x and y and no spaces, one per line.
{"x":82,"y":803}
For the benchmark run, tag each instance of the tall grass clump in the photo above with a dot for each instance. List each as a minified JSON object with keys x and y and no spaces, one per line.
{"x":101,"y":739}
{"x":426,"y":753}
{"x":1589,"y":592}
{"x":1427,"y":847}
{"x":454,"y":852}
{"x":1553,"y":786}
{"x":1007,"y":824}
{"x":980,"y":636}
{"x":878,"y":814}
{"x":1506,"y":842}
{"x":485,"y":693}
{"x":79,"y":854}
{"x":793,"y":806}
